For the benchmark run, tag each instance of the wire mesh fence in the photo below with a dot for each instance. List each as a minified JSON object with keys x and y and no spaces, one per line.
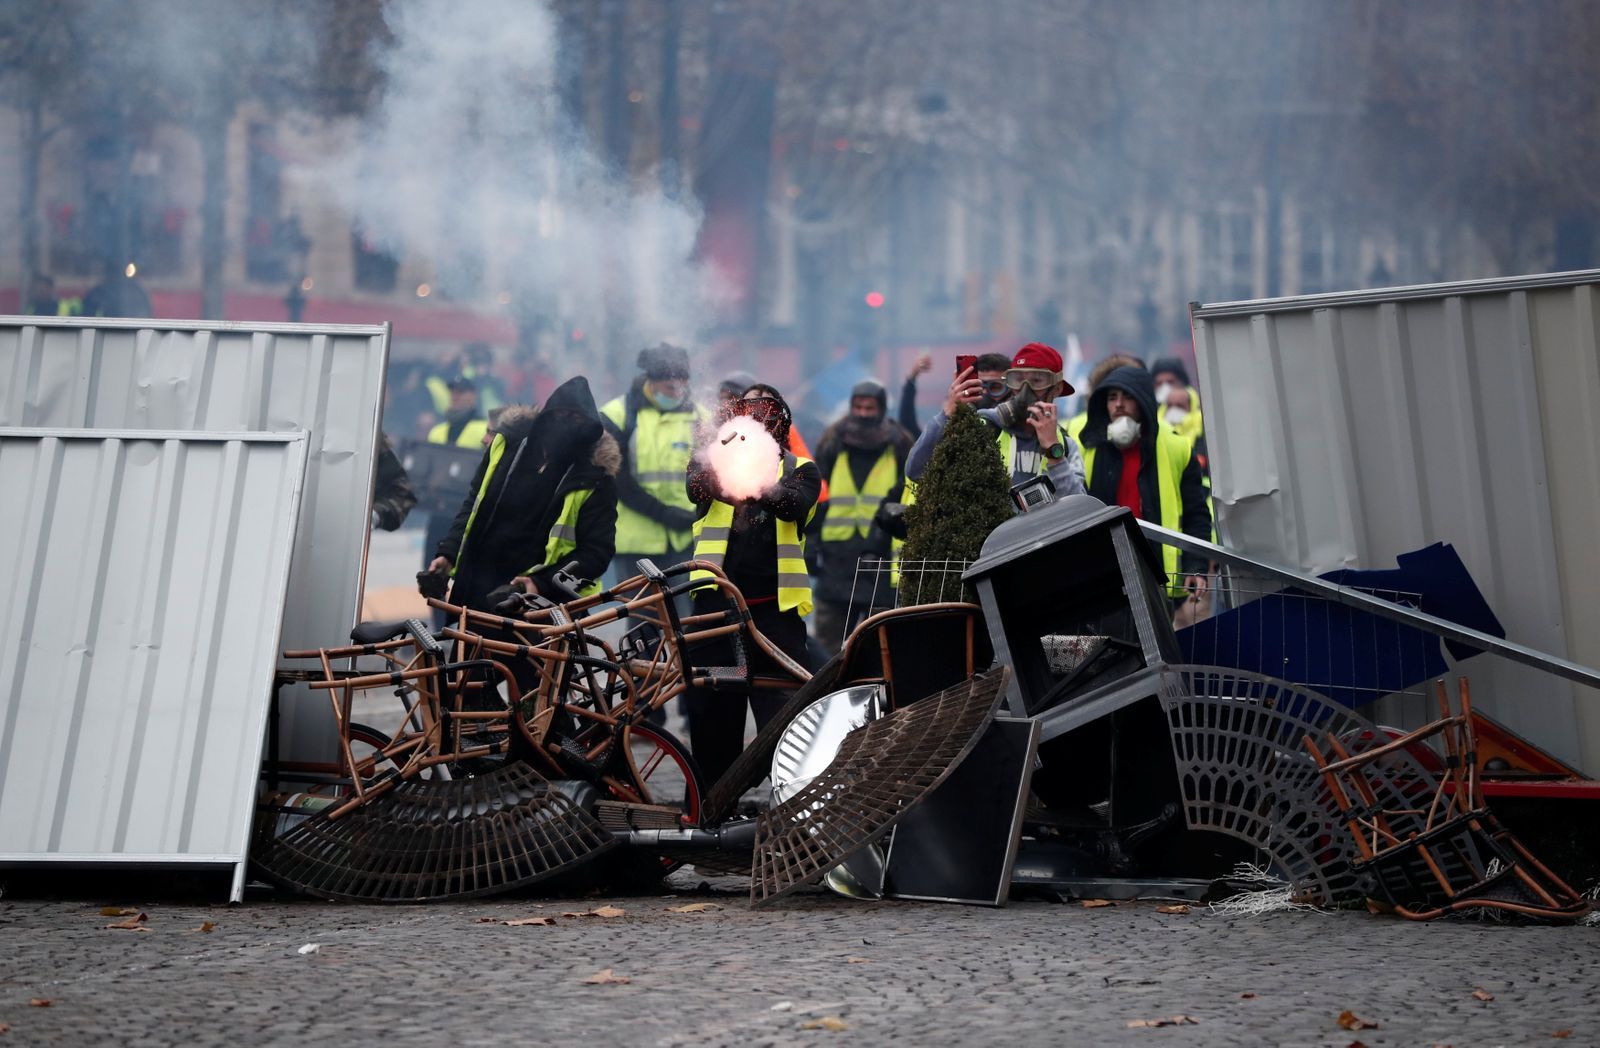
{"x":882,"y":583}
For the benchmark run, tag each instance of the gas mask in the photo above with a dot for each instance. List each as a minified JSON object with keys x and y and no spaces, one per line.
{"x":1122,"y":431}
{"x":1013,"y":413}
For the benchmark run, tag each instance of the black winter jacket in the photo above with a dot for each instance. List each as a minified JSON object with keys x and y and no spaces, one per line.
{"x":525,"y":495}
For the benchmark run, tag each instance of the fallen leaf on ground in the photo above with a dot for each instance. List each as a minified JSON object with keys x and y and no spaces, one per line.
{"x":1176,"y":1020}
{"x":132,"y":924}
{"x":1356,"y":1044}
{"x":855,"y":960}
{"x":1483,"y":995}
{"x":599,"y":911}
{"x":606,"y":977}
{"x":827,"y":1022}
{"x":1095,"y":904}
{"x":527,"y":922}
{"x":206,"y":926}
{"x":5,"y":1028}
{"x":1562,"y":1034}
{"x":1247,"y":996}
{"x":1351,"y":1021}
{"x":117,"y":911}
{"x":1175,"y":908}
{"x":38,"y":1002}
{"x":694,"y":907}
{"x":782,"y":1006}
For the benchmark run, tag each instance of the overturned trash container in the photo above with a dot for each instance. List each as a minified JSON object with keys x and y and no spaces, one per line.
{"x":1075,"y":605}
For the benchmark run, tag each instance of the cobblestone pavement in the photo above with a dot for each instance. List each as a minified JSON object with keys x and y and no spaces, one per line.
{"x":1032,"y":973}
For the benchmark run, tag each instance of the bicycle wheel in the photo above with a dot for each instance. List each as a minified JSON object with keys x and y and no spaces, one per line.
{"x":663,"y":769}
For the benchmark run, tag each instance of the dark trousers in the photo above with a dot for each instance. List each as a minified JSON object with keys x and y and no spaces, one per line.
{"x":716,"y":718}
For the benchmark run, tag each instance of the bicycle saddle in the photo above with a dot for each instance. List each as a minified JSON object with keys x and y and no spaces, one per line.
{"x":378,"y":632}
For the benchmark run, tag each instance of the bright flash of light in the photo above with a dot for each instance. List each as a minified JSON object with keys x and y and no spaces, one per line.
{"x":307,"y":284}
{"x":130,"y":270}
{"x":744,"y":457}
{"x":423,"y":291}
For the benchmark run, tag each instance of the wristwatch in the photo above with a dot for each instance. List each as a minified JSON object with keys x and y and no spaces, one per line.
{"x":1056,"y":450}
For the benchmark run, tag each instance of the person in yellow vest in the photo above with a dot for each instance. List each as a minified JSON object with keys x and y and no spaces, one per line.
{"x":464,"y":427}
{"x":654,"y":423}
{"x":863,"y":458}
{"x":1097,"y":375}
{"x":1131,"y":460}
{"x":543,"y":497}
{"x":758,"y":543}
{"x":1029,"y":437}
{"x":464,"y":424}
{"x":1177,"y":398}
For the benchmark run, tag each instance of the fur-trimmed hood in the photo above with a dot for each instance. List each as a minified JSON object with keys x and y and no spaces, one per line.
{"x":607,"y":455}
{"x":515,"y":423}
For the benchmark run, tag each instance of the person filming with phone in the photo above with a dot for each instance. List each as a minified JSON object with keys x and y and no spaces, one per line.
{"x":1029,"y":436}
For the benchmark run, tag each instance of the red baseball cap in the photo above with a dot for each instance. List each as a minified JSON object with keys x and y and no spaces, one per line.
{"x":1037,"y":355}
{"x":1041,"y":357}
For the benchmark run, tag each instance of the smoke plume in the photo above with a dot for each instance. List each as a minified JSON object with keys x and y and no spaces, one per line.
{"x":470,"y":161}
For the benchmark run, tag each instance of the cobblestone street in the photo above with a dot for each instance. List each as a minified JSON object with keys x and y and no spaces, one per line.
{"x":1034,"y":972}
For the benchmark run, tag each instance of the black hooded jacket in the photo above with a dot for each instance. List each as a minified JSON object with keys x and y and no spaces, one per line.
{"x":561,"y":449}
{"x":1106,"y":474}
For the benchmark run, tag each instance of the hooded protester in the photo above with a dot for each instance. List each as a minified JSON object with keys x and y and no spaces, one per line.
{"x":1148,"y":468}
{"x":757,"y":543}
{"x":863,"y":457}
{"x":654,"y":424}
{"x":1030,"y":438}
{"x":543,"y":497}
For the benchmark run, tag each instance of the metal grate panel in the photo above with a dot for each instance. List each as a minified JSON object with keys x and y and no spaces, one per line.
{"x":882,"y":771}
{"x":436,"y":839}
{"x":1237,"y":740}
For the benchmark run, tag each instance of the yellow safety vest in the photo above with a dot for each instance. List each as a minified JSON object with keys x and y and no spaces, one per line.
{"x":1172,"y":456}
{"x":659,"y":449}
{"x":471,"y":435}
{"x":850,"y":512}
{"x":563,"y":533}
{"x":712,"y":531}
{"x":908,"y":497}
{"x":1008,"y":445}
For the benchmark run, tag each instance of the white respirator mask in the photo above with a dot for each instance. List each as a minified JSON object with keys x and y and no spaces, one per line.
{"x":1122,"y":431}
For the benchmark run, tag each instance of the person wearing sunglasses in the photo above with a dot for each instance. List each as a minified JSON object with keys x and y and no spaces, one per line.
{"x":1028,"y":436}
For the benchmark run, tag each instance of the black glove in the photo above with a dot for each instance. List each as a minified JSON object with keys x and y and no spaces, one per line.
{"x":433,"y":584}
{"x":891,"y":517}
{"x":506,"y":600}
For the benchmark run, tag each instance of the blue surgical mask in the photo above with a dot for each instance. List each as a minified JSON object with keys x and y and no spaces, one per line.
{"x":665,"y":403}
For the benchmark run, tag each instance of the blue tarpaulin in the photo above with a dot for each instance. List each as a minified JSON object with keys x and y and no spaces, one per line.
{"x":1351,"y":656}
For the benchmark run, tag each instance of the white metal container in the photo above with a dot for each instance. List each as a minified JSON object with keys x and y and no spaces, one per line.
{"x":1345,"y":429}
{"x":140,"y":605}
{"x":327,"y":380}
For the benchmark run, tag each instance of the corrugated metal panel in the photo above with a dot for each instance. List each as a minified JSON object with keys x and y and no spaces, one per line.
{"x":327,"y":380}
{"x":140,"y":603}
{"x":1346,"y":429}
